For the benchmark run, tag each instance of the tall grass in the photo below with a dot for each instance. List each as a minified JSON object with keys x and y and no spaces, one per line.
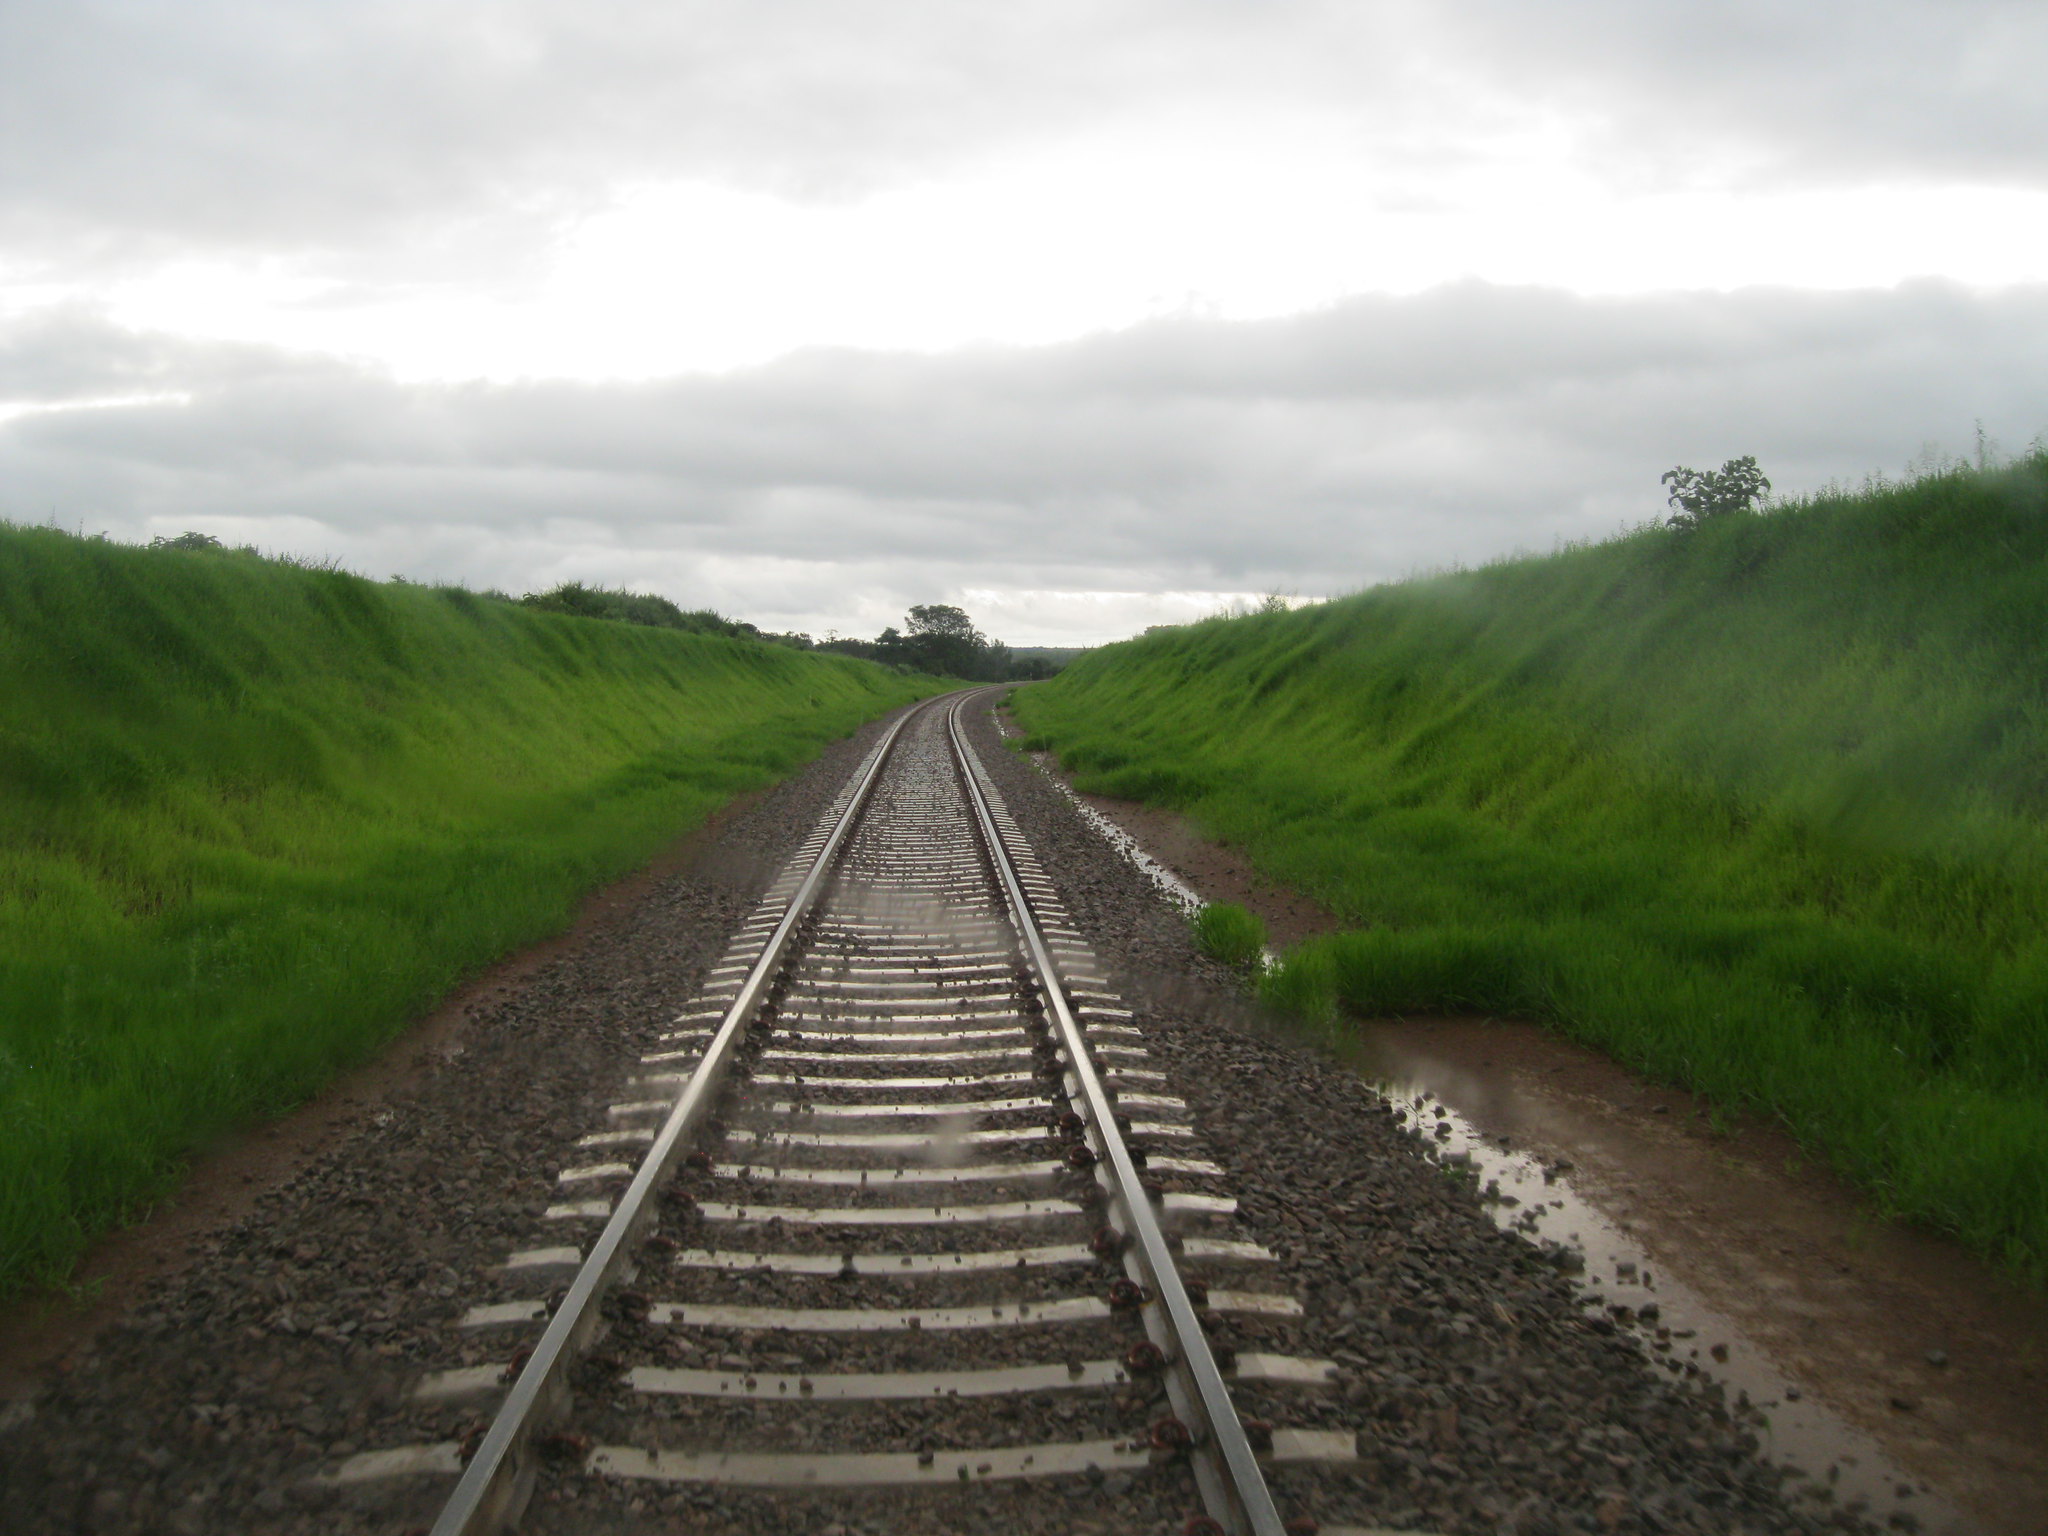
{"x":254,"y":817}
{"x":1758,"y":808}
{"x":1229,"y":933}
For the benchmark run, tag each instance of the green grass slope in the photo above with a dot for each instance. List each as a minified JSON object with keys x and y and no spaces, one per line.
{"x":1757,"y":808}
{"x":254,"y":817}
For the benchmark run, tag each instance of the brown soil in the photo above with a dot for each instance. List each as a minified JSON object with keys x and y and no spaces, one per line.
{"x":227,"y":1181}
{"x":1857,"y":1308}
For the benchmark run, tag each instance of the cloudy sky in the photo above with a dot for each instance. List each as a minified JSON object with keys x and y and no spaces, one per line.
{"x":1084,"y":314}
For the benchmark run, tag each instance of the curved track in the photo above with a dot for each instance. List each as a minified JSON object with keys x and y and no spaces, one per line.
{"x":900,"y":1203}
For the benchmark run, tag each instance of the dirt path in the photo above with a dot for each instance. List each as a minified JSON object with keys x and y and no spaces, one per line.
{"x":1930,"y":1352}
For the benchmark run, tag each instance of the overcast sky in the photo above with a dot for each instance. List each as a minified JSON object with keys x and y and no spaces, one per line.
{"x":1084,"y":314}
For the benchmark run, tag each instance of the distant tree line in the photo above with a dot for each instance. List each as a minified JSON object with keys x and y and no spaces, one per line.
{"x":941,"y":639}
{"x":936,"y":637}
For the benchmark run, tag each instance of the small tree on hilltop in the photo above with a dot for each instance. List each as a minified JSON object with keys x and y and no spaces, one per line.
{"x":1699,"y":494}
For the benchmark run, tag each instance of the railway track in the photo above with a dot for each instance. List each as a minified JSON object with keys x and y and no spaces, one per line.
{"x":900,"y":1209}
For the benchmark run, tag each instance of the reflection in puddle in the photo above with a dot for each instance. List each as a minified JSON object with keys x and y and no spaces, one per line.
{"x":1680,"y":1332}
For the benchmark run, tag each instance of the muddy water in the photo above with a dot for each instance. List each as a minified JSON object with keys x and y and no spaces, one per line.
{"x":1171,"y":886}
{"x":1681,"y":1331}
{"x":1906,"y":1374}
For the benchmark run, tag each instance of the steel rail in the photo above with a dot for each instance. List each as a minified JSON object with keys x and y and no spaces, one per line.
{"x":1236,"y":1489}
{"x":499,"y":1478}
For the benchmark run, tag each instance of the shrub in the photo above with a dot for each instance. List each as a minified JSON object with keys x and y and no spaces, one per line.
{"x":1699,"y":494}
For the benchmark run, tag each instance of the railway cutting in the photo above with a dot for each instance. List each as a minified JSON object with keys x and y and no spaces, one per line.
{"x":898,"y":1171}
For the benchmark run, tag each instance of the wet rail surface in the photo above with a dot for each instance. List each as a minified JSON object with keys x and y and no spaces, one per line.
{"x":900,"y":1204}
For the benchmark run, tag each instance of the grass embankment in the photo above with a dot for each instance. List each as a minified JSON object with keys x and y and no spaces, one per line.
{"x":1758,"y":809}
{"x":254,"y":817}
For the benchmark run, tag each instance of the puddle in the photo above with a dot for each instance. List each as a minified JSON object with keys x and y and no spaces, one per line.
{"x":1171,"y":886}
{"x":1683,"y":1335}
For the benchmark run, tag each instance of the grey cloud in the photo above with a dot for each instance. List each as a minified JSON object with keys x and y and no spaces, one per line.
{"x":297,"y":121}
{"x":1310,"y":454}
{"x":300,"y":123}
{"x":71,"y":352}
{"x":1828,"y":91}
